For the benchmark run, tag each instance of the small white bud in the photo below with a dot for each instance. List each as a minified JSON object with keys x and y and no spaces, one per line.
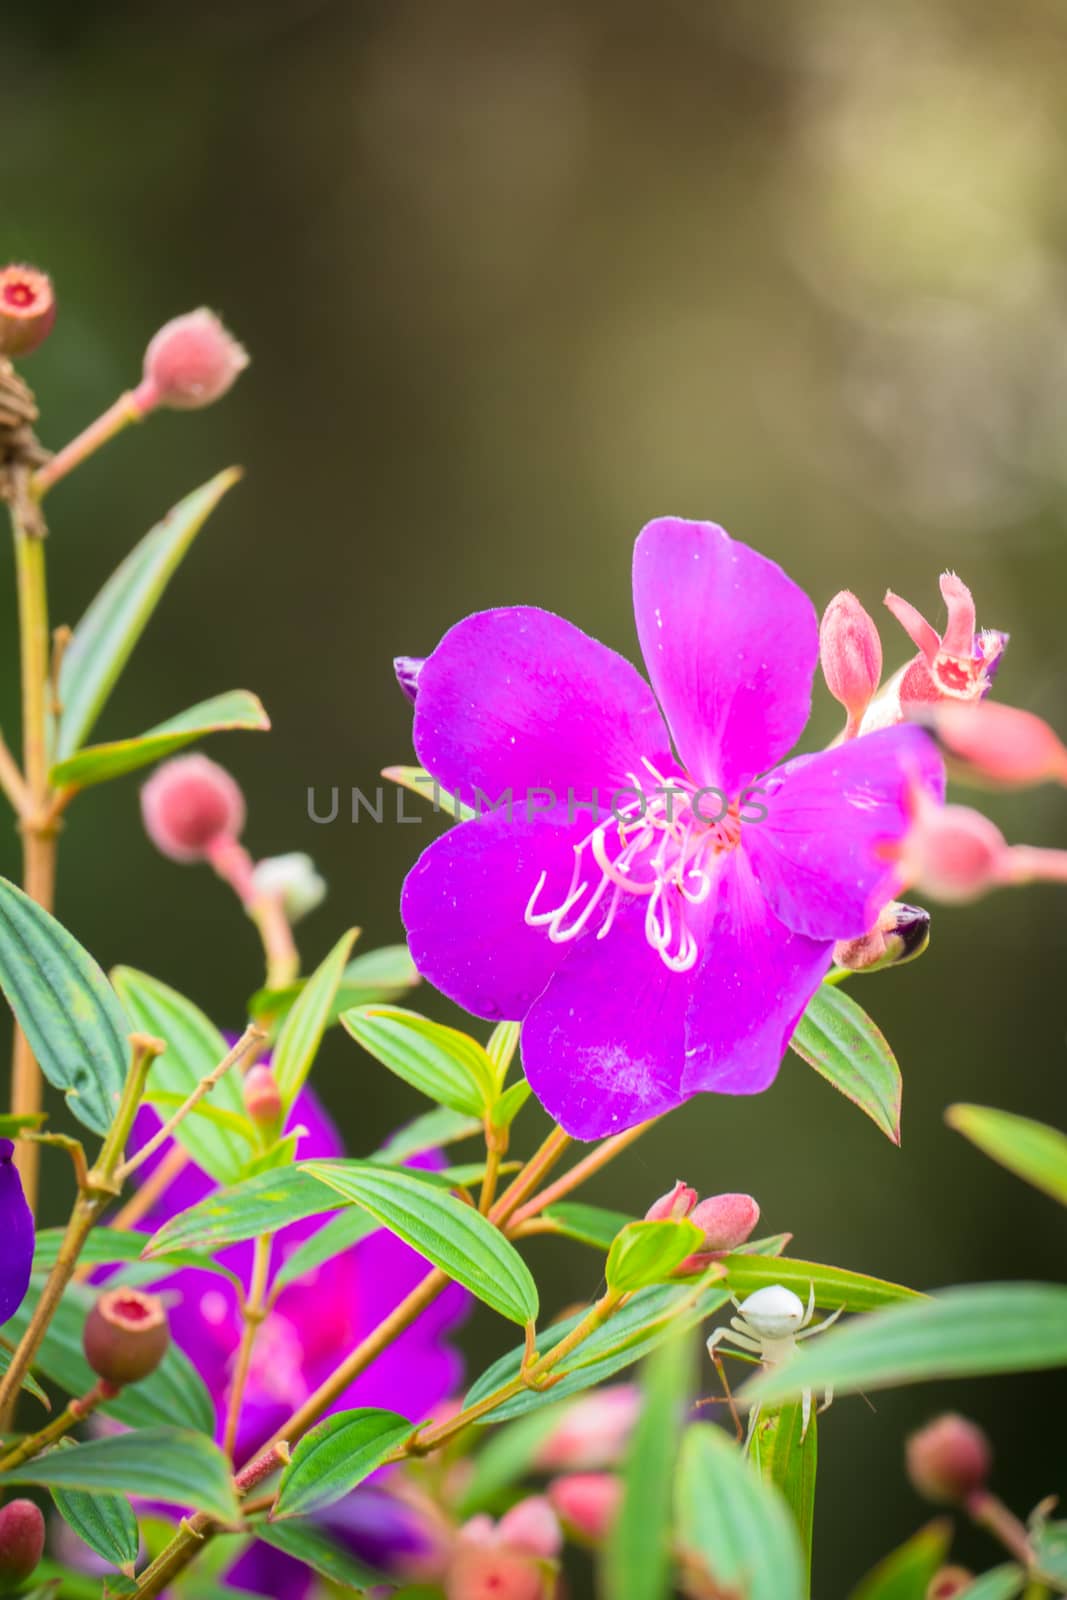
{"x":293,"y":880}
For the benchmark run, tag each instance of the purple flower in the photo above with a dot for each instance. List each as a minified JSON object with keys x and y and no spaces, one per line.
{"x":16,"y":1229}
{"x":657,"y":912}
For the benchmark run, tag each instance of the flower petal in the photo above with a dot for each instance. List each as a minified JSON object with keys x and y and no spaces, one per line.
{"x":827,"y":852}
{"x":520,"y":698}
{"x":464,"y":901}
{"x":751,"y":988}
{"x":730,"y":643}
{"x":603,"y":1046}
{"x":16,"y":1229}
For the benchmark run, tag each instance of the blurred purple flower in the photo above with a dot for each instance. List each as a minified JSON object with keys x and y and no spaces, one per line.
{"x":659,"y":921}
{"x":16,"y":1230}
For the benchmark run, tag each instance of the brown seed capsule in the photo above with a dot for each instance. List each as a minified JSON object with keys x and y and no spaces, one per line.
{"x":27,"y":310}
{"x":125,"y":1336}
{"x":21,"y":1541}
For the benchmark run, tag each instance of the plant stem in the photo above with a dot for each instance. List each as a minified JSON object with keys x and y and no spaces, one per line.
{"x":986,"y":1511}
{"x":253,"y":1319}
{"x":118,"y":416}
{"x":605,"y":1152}
{"x":74,"y":1413}
{"x":539,"y":1165}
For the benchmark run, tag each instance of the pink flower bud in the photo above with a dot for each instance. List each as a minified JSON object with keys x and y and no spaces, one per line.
{"x":948,"y":1583}
{"x":479,"y":1573}
{"x":125,"y":1336}
{"x":531,"y":1527}
{"x":594,"y":1431}
{"x":263,"y":1100}
{"x":727,"y":1220}
{"x":850,"y":653}
{"x":997,"y":744}
{"x":587,"y":1503}
{"x":192,"y":361}
{"x":673,"y":1206}
{"x":21,"y":1541}
{"x":954,"y":853}
{"x":949,"y":1459}
{"x":27,"y":310}
{"x":189,"y":806}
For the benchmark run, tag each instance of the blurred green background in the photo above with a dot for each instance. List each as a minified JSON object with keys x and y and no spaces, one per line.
{"x":516,"y":278}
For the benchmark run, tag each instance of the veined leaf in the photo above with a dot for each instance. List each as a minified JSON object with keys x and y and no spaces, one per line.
{"x":1032,"y":1150}
{"x":648,"y":1252}
{"x":834,"y":1286}
{"x":261,"y":1204}
{"x":105,"y":1522}
{"x":838,"y":1039}
{"x":194,"y":1047}
{"x":301,"y":1032}
{"x":108,"y":1246}
{"x":65,"y":1007}
{"x":29,"y":1382}
{"x":161,"y":1463}
{"x":447,"y":1232}
{"x":908,"y":1571}
{"x":434,"y":1128}
{"x":105,"y":637}
{"x":307,"y":1543}
{"x":501,"y":1048}
{"x":442,"y":1063}
{"x":373,"y":978}
{"x":958,"y":1333}
{"x":591,"y":1225}
{"x":96,"y":763}
{"x":734,"y":1530}
{"x":788,"y":1457}
{"x":336,"y":1456}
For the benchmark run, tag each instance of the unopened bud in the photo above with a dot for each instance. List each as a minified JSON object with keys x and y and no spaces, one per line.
{"x":192,"y":361}
{"x":901,"y":934}
{"x":263,"y":1099}
{"x":407,"y":669}
{"x":27,"y":310}
{"x":672,"y":1206}
{"x":478,"y":1572}
{"x":594,"y":1431}
{"x":727,"y":1220}
{"x":948,"y":1583}
{"x":996,"y":744}
{"x":949,"y":1459}
{"x":850,"y":653}
{"x":293,"y":880}
{"x":587,"y":1503}
{"x":21,"y":1541}
{"x":954,"y":853}
{"x":190,"y":805}
{"x":125,"y":1336}
{"x":531,"y":1527}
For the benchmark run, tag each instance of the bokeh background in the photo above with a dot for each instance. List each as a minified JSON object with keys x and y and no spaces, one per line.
{"x":517,"y":277}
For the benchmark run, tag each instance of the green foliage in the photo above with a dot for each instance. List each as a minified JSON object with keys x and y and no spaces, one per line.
{"x":1032,"y":1150}
{"x":906,"y":1573}
{"x":734,"y":1530}
{"x":105,"y":1522}
{"x":834,"y":1286}
{"x":235,"y":710}
{"x":336,"y":1456}
{"x":588,"y":1224}
{"x":373,"y":978}
{"x":648,"y":1252}
{"x":260,"y":1204}
{"x":301,"y":1033}
{"x":838,"y":1039}
{"x":160,"y":1463}
{"x":445,"y":1065}
{"x":309,"y":1544}
{"x":787,"y":1455}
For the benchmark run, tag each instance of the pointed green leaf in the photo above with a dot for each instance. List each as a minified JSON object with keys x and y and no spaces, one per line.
{"x":261,"y":1204}
{"x":591,"y":1225}
{"x":501,"y":1048}
{"x":29,"y":1382}
{"x":224,"y":713}
{"x":341,"y":1233}
{"x":1032,"y":1150}
{"x":442,"y":1063}
{"x":838,"y":1039}
{"x":106,"y":1247}
{"x":336,"y":1456}
{"x":648,"y":1252}
{"x":373,"y":978}
{"x":452,"y":1235}
{"x":511,"y":1103}
{"x":734,"y":1531}
{"x":418,"y":781}
{"x":958,"y":1333}
{"x":437,"y":1127}
{"x":999,"y":1583}
{"x":170,"y":1464}
{"x":194,"y":1047}
{"x":307,"y":1543}
{"x":65,"y":1007}
{"x":907,"y":1572}
{"x":787,"y":1455}
{"x":302,"y":1031}
{"x":105,"y":1522}
{"x":105,"y":637}
{"x":834,"y":1286}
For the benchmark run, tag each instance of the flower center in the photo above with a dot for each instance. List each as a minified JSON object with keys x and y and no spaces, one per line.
{"x":664,"y":842}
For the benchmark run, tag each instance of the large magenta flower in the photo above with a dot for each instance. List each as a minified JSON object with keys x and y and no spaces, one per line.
{"x":656,"y":911}
{"x":16,"y":1227}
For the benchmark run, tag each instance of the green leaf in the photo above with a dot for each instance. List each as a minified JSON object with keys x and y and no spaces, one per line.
{"x":65,"y":1007}
{"x":442,"y":1063}
{"x":590,"y":1225}
{"x":336,"y":1456}
{"x":105,"y":637}
{"x":1049,"y":1540}
{"x":907,"y":1572}
{"x":194,"y":1047}
{"x":834,"y":1286}
{"x":107,"y":1246}
{"x":373,"y":978}
{"x":236,"y":709}
{"x":959,"y":1333}
{"x":11,"y":1127}
{"x":838,"y":1039}
{"x":1031,"y":1150}
{"x":29,"y":1382}
{"x":175,"y":1392}
{"x":433,"y":1128}
{"x":647,"y":1318}
{"x":637,"y":1556}
{"x":302,"y":1031}
{"x":735,"y":1531}
{"x":788,"y":1457}
{"x":170,"y":1464}
{"x":105,"y":1522}
{"x":419,"y":781}
{"x":447,"y":1232}
{"x":261,"y":1204}
{"x":648,"y":1252}
{"x":506,"y":1456}
{"x":1000,"y":1583}
{"x":307,"y":1543}
{"x":341,"y":1233}
{"x":501,"y":1048}
{"x":511,"y":1103}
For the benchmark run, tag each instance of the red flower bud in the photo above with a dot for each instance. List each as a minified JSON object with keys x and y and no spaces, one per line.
{"x":21,"y":1541}
{"x":996,"y":744}
{"x":190,"y":805}
{"x":125,"y":1336}
{"x":672,"y":1206}
{"x":594,"y":1431}
{"x":587,"y":1503}
{"x":479,"y":1572}
{"x":192,"y":361}
{"x":263,"y":1100}
{"x":532,"y":1527}
{"x":949,"y":1459}
{"x":27,"y":310}
{"x":948,"y":1583}
{"x":727,"y":1220}
{"x":954,"y":853}
{"x":850,"y":652}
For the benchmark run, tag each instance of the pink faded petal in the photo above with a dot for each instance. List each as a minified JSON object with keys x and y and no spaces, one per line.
{"x":827,"y":854}
{"x":751,"y":988}
{"x":958,"y":637}
{"x":730,"y":643}
{"x":603,"y":1046}
{"x":464,"y":901}
{"x":520,"y":698}
{"x":924,"y":637}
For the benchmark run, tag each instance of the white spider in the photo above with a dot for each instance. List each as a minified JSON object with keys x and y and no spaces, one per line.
{"x":771,"y":1322}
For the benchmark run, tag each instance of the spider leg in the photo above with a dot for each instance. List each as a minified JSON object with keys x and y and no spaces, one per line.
{"x":827,"y":1400}
{"x":743,"y":1336}
{"x":753,"y":1421}
{"x":810,"y":1312}
{"x":806,"y":1333}
{"x":805,"y":1412}
{"x":717,"y":1362}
